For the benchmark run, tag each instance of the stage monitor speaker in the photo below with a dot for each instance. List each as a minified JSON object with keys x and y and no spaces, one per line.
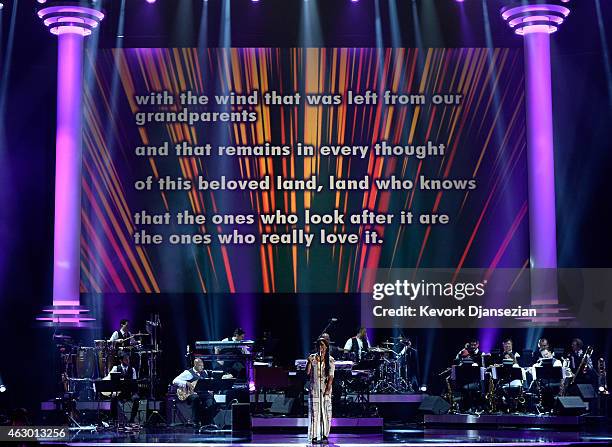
{"x":570,"y":406}
{"x":586,"y":391}
{"x":434,"y":405}
{"x":283,"y":405}
{"x":223,"y":419}
{"x":241,"y":419}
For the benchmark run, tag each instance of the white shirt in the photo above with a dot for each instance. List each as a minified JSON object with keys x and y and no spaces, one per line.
{"x":349,"y":345}
{"x":188,"y":376}
{"x":120,"y":369}
{"x":120,"y":335}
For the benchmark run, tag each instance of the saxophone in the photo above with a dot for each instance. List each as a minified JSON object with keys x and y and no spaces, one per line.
{"x":490,"y":397}
{"x":449,"y":395}
{"x":521,"y":397}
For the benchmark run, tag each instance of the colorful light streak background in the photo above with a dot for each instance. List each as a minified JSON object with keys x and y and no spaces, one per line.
{"x":485,"y":137}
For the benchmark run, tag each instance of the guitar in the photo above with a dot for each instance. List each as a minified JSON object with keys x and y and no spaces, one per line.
{"x":183,"y":392}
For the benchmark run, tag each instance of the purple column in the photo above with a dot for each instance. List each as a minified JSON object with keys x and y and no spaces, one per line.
{"x":71,"y":23}
{"x":535,"y":22}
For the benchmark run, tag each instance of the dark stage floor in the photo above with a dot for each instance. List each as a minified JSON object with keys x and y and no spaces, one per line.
{"x":390,"y":437}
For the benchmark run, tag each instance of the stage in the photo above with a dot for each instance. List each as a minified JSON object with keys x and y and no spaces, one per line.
{"x":404,"y":436}
{"x":360,"y":222}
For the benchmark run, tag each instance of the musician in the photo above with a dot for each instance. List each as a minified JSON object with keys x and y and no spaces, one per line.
{"x":545,"y":354}
{"x":238,"y":335}
{"x":471,"y":351}
{"x":236,"y":368}
{"x":543,"y":345}
{"x":320,"y":369}
{"x":122,"y":336}
{"x":575,"y":355}
{"x":508,"y":352}
{"x":358,"y":344}
{"x":203,"y":403}
{"x":547,"y":388}
{"x":128,"y":372}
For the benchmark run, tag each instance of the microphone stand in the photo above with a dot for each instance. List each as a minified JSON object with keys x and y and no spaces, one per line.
{"x":327,"y":326}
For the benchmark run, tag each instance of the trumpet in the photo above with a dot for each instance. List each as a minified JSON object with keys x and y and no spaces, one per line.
{"x":602,"y":379}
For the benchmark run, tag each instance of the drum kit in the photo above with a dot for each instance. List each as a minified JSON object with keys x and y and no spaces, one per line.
{"x":391,"y":363}
{"x":81,"y":365}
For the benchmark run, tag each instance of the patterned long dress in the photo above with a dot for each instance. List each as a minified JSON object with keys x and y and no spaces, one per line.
{"x":319,"y":405}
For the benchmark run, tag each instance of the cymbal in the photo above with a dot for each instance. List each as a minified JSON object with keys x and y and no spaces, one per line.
{"x":388,"y":343}
{"x":379,"y":349}
{"x":141,"y":334}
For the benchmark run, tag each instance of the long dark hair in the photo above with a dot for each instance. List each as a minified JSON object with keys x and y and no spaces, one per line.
{"x":326,"y":359}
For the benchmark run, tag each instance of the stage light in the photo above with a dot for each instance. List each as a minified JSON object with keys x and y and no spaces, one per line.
{"x":2,"y":387}
{"x":41,"y":1}
{"x":1,"y":5}
{"x":423,"y":389}
{"x":151,"y":1}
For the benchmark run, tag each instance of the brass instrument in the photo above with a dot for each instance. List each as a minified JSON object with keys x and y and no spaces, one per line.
{"x":602,"y":379}
{"x":587,"y":354}
{"x":490,"y":397}
{"x":540,"y":403}
{"x":450,"y":396}
{"x":521,"y":397}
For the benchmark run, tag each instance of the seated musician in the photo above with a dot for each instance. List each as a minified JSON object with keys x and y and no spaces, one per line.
{"x":127,"y":372}
{"x":358,"y":345}
{"x":122,"y":336}
{"x":508,"y":353}
{"x":509,"y":356}
{"x":471,"y":351}
{"x":545,"y":355}
{"x":468,"y":384}
{"x":236,"y":368}
{"x":543,"y":345}
{"x":546,"y":387}
{"x":202,"y":404}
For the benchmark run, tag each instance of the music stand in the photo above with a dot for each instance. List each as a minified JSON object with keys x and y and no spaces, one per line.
{"x":549,"y":373}
{"x":117,"y":386}
{"x":509,"y":373}
{"x":466,"y":373}
{"x":214,"y":385}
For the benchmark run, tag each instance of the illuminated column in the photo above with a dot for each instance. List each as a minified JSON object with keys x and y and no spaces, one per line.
{"x":70,"y":22}
{"x":536,"y":21}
